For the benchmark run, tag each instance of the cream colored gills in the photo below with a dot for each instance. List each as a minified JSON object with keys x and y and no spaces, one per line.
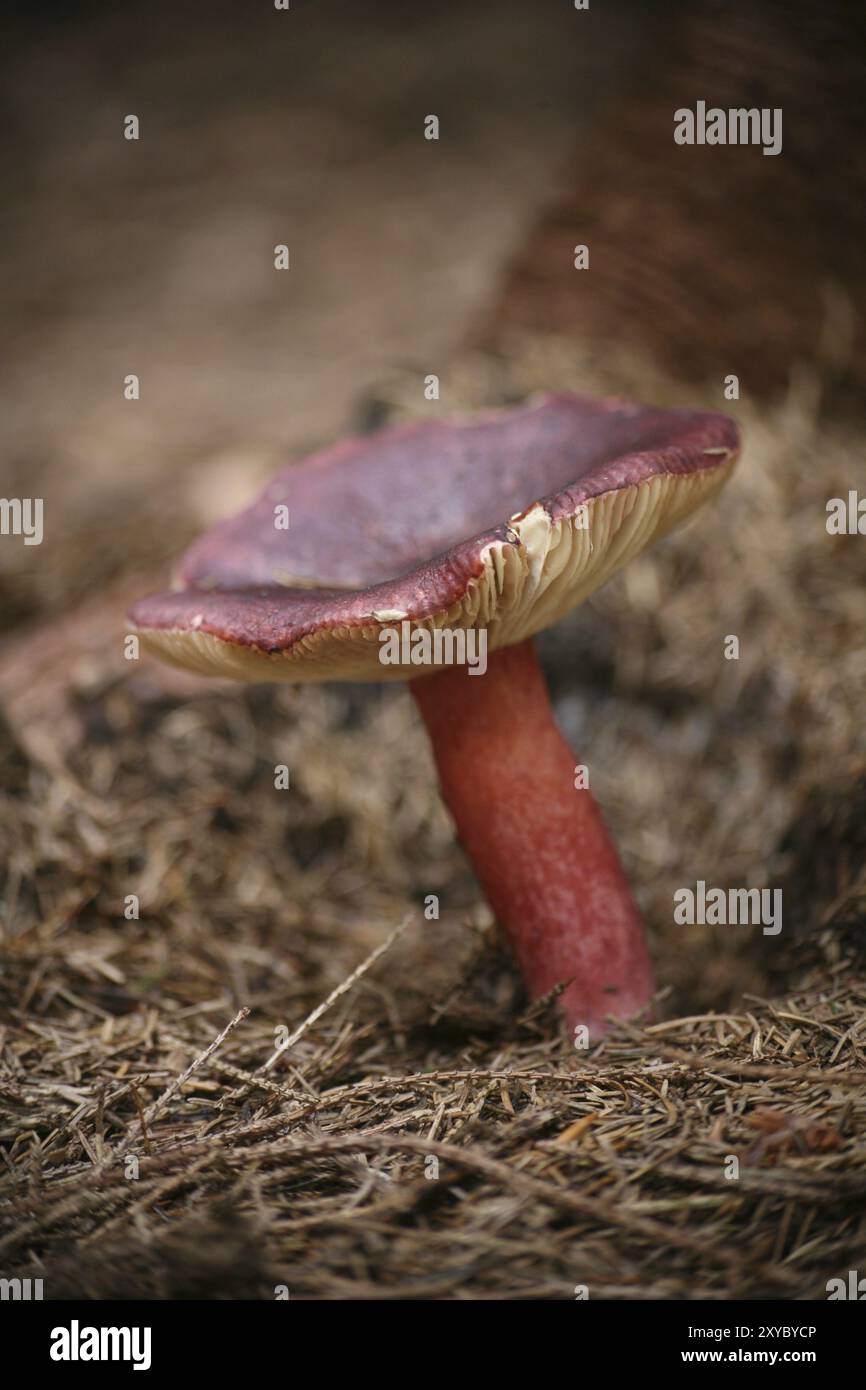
{"x":560,"y":564}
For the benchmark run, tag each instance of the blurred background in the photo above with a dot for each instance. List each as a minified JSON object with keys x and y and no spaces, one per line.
{"x":156,"y":257}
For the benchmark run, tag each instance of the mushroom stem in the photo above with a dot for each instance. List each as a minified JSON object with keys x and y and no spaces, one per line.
{"x":538,"y":845}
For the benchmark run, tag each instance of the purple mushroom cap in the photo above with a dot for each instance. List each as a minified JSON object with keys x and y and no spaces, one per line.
{"x":503,"y":520}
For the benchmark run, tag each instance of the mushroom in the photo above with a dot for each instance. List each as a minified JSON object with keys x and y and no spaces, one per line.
{"x":494,"y":526}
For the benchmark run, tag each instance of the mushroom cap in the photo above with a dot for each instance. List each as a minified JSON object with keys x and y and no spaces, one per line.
{"x":501,"y":521}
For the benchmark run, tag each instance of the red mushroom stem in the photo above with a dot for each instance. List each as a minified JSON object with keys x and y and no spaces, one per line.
{"x":539,"y":846}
